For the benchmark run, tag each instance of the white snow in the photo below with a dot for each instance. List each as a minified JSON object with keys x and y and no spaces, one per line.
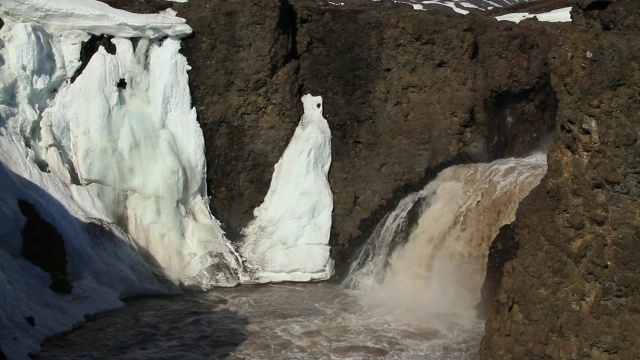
{"x":289,"y":238}
{"x":103,"y":263}
{"x":114,"y":160}
{"x":119,"y":172}
{"x":94,"y":17}
{"x":557,"y":15}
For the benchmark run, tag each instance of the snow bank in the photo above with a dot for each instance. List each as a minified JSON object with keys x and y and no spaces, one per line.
{"x":114,"y":161}
{"x":102,"y":262}
{"x":94,"y":17}
{"x":289,"y":238}
{"x":558,"y":15}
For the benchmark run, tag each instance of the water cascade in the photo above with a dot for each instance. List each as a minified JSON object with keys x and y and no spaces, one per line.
{"x":436,"y":265}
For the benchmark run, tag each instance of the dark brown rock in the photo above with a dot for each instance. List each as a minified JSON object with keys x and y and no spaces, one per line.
{"x":406,"y":93}
{"x":140,"y":6}
{"x":608,"y":15}
{"x":502,"y":250}
{"x":573,"y":280}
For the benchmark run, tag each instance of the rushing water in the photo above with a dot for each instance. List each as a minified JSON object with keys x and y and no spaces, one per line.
{"x":416,"y":283}
{"x":436,"y":265}
{"x":292,"y":321}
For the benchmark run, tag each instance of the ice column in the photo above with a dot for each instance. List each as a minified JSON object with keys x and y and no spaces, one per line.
{"x":289,"y":238}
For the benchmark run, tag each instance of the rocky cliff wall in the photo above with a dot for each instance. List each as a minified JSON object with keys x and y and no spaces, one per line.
{"x":405,"y":94}
{"x":573,"y":291}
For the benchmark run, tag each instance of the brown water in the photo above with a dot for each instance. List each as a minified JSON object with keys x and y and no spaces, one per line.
{"x":286,"y":321}
{"x":435,"y":267}
{"x":417,"y":290}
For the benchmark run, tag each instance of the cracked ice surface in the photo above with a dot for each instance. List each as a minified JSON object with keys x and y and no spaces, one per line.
{"x":289,"y":238}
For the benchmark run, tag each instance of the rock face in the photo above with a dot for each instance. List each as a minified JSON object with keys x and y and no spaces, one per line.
{"x":406,"y":93}
{"x":573,"y":291}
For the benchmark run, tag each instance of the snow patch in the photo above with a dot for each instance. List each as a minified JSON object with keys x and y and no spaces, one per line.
{"x":558,"y":15}
{"x":289,"y":238}
{"x":113,"y":161}
{"x":94,"y":17}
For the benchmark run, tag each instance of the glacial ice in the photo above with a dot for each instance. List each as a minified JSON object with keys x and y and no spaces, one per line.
{"x":289,"y":238}
{"x":118,"y":170}
{"x":141,"y":151}
{"x":93,"y":17}
{"x":114,"y":160}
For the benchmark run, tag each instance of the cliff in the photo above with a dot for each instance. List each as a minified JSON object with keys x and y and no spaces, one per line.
{"x":406,"y":93}
{"x":572,"y":291}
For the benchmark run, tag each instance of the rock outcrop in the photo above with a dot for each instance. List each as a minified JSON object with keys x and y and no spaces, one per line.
{"x":573,"y":291}
{"x":406,"y":93}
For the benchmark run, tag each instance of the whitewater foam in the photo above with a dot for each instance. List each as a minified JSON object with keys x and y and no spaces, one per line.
{"x":436,"y":272}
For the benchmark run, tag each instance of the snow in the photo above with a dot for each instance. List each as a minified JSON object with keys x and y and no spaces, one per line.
{"x":289,"y":238}
{"x":94,"y":17}
{"x":102,"y":268}
{"x":558,"y":15}
{"x":114,"y":160}
{"x":118,"y":171}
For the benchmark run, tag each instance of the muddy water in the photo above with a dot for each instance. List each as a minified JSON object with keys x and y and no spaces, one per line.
{"x":437,"y":264}
{"x":417,"y":290}
{"x":288,"y":321}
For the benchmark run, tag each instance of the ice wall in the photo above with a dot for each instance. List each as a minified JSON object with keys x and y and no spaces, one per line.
{"x":134,"y":142}
{"x":114,"y":161}
{"x":289,"y":238}
{"x":103,"y":264}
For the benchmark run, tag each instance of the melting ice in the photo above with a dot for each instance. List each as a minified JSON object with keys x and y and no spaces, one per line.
{"x":289,"y":238}
{"x":114,"y":160}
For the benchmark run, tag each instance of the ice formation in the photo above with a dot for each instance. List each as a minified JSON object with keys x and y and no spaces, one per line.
{"x":94,"y":17}
{"x":102,"y":262}
{"x":113,"y":160}
{"x":289,"y":238}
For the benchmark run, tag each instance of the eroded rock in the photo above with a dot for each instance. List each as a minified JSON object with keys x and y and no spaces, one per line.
{"x":411,"y":94}
{"x":573,"y":287}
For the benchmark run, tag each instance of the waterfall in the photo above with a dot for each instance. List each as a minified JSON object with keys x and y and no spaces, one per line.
{"x":438,"y":262}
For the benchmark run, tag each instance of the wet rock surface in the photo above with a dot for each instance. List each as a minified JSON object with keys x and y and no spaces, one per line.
{"x":406,"y":93}
{"x":573,"y":290}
